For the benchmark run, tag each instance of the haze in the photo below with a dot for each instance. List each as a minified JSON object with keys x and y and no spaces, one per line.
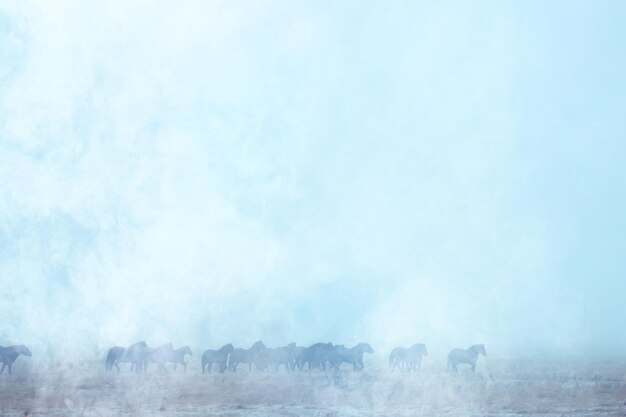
{"x":212,"y":172}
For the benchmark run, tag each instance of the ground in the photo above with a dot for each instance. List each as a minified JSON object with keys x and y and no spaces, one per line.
{"x":498,"y":388}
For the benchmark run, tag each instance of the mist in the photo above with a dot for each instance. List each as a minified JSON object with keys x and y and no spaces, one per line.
{"x":215,"y":172}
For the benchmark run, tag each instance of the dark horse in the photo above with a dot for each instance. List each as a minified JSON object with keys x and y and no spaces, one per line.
{"x":468,"y":356}
{"x":137,"y":355}
{"x":319,"y":354}
{"x":210,"y":356}
{"x":354,"y":355}
{"x":9,"y":354}
{"x":238,"y":356}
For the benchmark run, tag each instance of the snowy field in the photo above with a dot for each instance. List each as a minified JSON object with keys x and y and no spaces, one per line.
{"x":498,"y":388}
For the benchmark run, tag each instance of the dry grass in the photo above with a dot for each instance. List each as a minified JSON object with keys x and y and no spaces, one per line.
{"x":505,"y":388}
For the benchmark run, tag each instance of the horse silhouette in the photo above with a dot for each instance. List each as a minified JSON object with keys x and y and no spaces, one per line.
{"x":178,"y":356}
{"x":136,"y":354}
{"x":248,"y":356}
{"x":413,"y":357}
{"x":318,"y":355}
{"x":407,"y":359}
{"x":9,"y":354}
{"x":354,"y":355}
{"x":273,"y":358}
{"x":210,"y":356}
{"x":466,"y":356}
{"x":115,"y":355}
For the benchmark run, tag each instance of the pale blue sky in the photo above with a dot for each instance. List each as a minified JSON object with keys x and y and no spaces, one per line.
{"x":447,"y":172}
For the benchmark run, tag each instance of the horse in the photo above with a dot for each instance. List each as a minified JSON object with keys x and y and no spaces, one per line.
{"x":239,"y":355}
{"x":354,"y":355}
{"x":178,"y":356}
{"x":407,"y":359}
{"x":209,"y":357}
{"x":9,"y":354}
{"x":136,"y":354}
{"x":414,"y":355}
{"x":115,"y":355}
{"x":311,"y":355}
{"x":467,"y":356}
{"x":397,"y":358}
{"x":319,"y":354}
{"x":282,"y":356}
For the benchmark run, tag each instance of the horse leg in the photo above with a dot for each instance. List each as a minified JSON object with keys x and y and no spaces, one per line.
{"x":185,"y":365}
{"x":3,"y":366}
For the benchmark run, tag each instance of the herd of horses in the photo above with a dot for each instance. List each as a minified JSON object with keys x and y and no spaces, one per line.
{"x":139,"y":355}
{"x":290,"y":357}
{"x":258,"y":357}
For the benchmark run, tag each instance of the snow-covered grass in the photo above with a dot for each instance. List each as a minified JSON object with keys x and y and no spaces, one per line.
{"x":499,"y":387}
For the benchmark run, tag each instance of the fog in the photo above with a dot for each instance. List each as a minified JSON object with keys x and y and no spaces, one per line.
{"x":212,"y":172}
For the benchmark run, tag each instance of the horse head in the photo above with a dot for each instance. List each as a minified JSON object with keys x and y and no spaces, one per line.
{"x":22,"y":349}
{"x":479,"y":350}
{"x":227,"y":348}
{"x":257,"y":346}
{"x":186,"y":350}
{"x":365,"y":348}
